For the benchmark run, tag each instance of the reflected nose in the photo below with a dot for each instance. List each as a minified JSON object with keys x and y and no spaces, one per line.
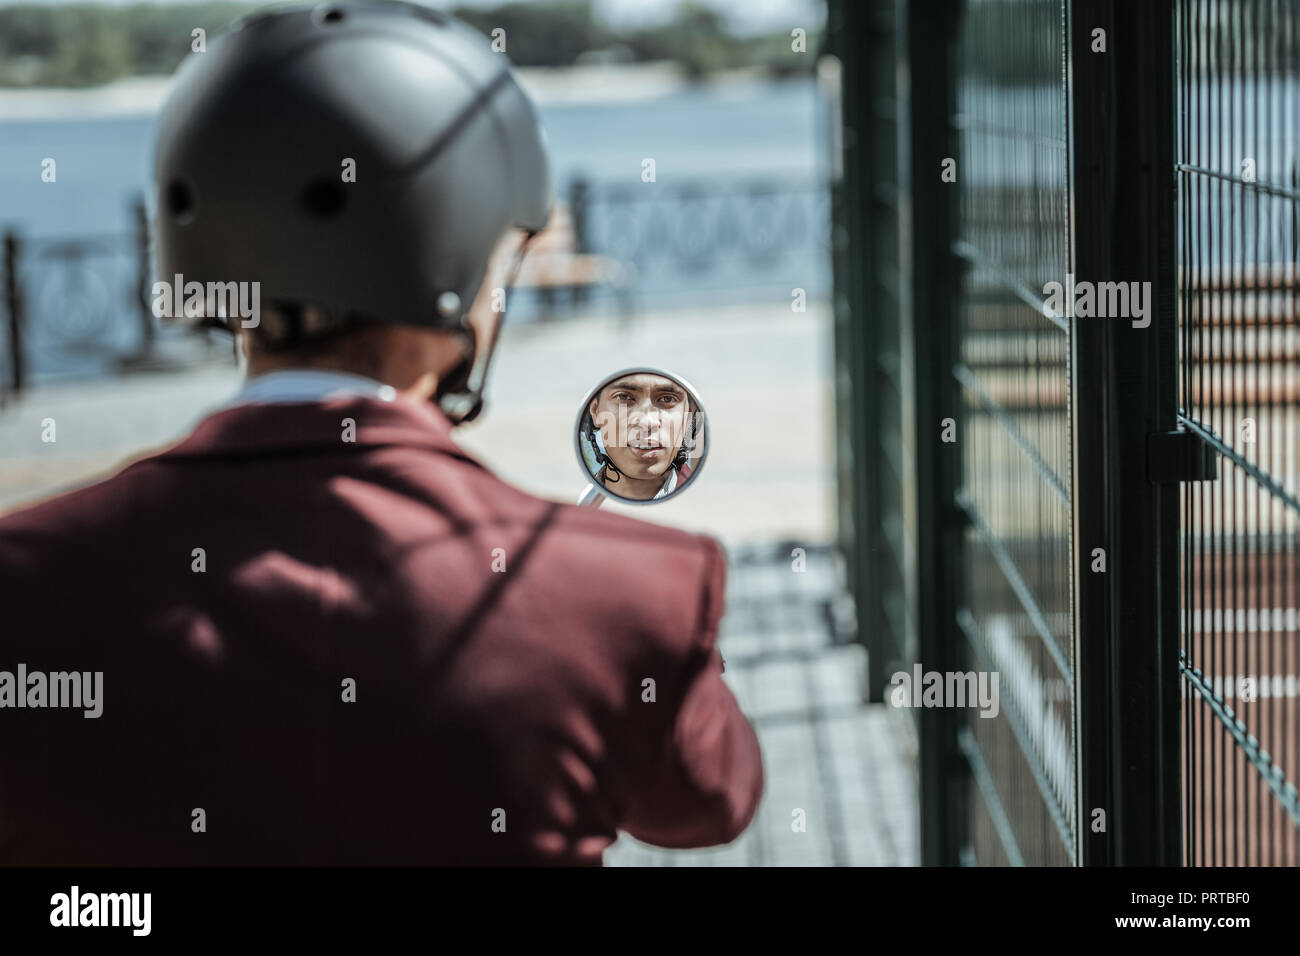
{"x":645,"y":418}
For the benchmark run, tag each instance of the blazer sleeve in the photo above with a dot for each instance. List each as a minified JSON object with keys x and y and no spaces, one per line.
{"x":710,"y":768}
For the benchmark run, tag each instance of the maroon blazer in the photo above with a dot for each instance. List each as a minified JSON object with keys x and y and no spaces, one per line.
{"x":529,"y":677}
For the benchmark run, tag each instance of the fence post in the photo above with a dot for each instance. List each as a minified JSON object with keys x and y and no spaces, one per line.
{"x":855,"y":417}
{"x":14,"y":308}
{"x":1125,"y":391}
{"x":931,"y":344}
{"x":144,"y":269}
{"x":872,"y":394}
{"x":579,"y":200}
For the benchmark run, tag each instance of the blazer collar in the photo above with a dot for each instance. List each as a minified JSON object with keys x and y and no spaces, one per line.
{"x":343,"y":423}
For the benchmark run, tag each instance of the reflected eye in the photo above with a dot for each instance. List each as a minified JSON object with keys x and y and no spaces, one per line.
{"x":668,"y":400}
{"x":621,"y":397}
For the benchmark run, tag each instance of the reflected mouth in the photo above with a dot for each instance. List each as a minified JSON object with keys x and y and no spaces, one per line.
{"x":646,"y":450}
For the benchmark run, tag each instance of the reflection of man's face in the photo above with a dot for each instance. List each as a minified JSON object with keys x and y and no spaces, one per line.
{"x":642,"y":419}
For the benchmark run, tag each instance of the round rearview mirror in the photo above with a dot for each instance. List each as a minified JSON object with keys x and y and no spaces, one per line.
{"x":640,"y":437}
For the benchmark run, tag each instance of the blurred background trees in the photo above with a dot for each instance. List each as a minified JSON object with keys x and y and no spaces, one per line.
{"x":87,"y":44}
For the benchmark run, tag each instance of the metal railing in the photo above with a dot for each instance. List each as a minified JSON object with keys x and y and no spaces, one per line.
{"x":1013,"y":235}
{"x":75,"y":305}
{"x":80,"y":306}
{"x":1238,"y":85}
{"x":703,"y":238}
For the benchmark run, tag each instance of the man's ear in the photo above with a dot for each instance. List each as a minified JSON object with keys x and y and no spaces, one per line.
{"x":595,"y":404}
{"x":458,"y":360}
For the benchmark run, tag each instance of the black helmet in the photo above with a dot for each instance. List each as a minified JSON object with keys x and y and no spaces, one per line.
{"x":254,"y":138}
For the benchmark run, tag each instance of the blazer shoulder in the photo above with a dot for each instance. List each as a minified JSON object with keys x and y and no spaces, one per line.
{"x":91,"y":522}
{"x":68,"y":511}
{"x":688,"y":569}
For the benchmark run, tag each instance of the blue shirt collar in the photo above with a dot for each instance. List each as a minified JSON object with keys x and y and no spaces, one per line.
{"x":308,"y":385}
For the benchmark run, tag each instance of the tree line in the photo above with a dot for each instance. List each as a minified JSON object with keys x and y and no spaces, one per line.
{"x":88,"y":44}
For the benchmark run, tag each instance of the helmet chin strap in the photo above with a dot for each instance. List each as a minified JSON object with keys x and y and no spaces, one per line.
{"x":464,"y":401}
{"x":603,"y":457}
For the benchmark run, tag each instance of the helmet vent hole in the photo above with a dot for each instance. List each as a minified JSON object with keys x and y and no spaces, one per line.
{"x":333,"y":15}
{"x":181,"y":204}
{"x":323,"y":199}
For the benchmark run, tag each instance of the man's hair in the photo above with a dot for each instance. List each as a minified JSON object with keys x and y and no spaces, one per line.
{"x":311,"y":336}
{"x":285,"y":326}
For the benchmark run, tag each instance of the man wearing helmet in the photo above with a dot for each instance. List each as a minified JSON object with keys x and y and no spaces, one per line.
{"x":640,"y":429}
{"x":327,"y":635}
